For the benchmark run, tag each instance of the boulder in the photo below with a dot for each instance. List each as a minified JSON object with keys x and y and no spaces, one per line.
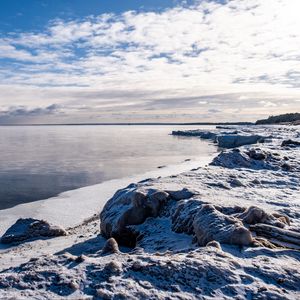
{"x":207,"y":135}
{"x":111,"y":247}
{"x":235,"y":140}
{"x":257,"y":154}
{"x":290,"y":143}
{"x":181,"y":194}
{"x":254,"y":215}
{"x":28,"y":229}
{"x":129,"y":207}
{"x":211,"y":225}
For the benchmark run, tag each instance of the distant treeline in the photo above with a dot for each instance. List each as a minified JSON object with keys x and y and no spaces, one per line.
{"x":286,"y":118}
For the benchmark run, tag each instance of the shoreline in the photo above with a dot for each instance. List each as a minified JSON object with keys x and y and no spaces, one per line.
{"x":67,"y":206}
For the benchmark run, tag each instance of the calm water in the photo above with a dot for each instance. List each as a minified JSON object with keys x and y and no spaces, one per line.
{"x":40,"y":162}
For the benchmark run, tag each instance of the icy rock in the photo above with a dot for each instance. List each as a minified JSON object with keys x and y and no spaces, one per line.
{"x":234,"y":140}
{"x":110,"y":247}
{"x":183,"y":217}
{"x":202,"y":134}
{"x":211,"y":225}
{"x":236,"y":182}
{"x":214,"y":244}
{"x":252,"y":159}
{"x":129,"y":207}
{"x":254,"y":215}
{"x":232,"y":159}
{"x":181,"y":194}
{"x":290,"y":143}
{"x":27,"y":229}
{"x":257,"y":154}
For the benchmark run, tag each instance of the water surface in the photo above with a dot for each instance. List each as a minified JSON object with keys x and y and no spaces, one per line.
{"x":38,"y":162}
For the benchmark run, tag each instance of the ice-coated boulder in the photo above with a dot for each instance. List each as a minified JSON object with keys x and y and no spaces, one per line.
{"x":199,"y":133}
{"x":111,"y":246}
{"x":129,"y":207}
{"x":232,"y":159}
{"x":254,"y":215}
{"x":235,"y":140}
{"x":290,"y":143}
{"x":211,"y":225}
{"x":28,"y":229}
{"x":181,"y":194}
{"x":255,"y":159}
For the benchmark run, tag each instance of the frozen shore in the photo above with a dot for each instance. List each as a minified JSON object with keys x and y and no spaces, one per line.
{"x":225,"y":230}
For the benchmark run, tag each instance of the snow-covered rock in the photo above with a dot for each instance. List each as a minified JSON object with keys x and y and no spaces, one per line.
{"x":130,"y":207}
{"x":28,"y":229}
{"x":257,"y":158}
{"x":211,"y":225}
{"x":233,"y":141}
{"x":229,"y":139}
{"x":198,"y":133}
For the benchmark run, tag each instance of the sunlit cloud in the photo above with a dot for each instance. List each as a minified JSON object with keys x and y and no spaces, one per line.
{"x":185,"y":63}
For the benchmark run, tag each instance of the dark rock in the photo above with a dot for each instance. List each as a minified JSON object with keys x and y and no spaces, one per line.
{"x":129,"y":207}
{"x":290,"y":143}
{"x":110,"y":247}
{"x":211,"y":225}
{"x":28,"y":229}
{"x":257,"y":154}
{"x":232,"y":141}
{"x":181,"y":194}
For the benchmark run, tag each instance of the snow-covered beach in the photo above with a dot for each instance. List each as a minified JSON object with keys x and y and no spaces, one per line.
{"x":224,"y":227}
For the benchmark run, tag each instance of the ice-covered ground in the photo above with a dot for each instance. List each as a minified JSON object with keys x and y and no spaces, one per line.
{"x":227,"y":230}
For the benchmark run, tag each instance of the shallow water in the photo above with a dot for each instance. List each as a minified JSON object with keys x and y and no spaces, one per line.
{"x":41,"y":162}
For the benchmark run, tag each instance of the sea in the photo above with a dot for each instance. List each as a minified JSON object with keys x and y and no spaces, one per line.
{"x":39,"y":162}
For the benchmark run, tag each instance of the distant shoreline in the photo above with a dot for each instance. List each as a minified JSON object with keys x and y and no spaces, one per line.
{"x":134,"y":124}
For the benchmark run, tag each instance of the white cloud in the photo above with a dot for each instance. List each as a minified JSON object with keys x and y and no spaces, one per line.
{"x":245,"y":49}
{"x":268,"y":104}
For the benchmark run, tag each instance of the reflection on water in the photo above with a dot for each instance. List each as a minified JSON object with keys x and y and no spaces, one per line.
{"x":40,"y":162}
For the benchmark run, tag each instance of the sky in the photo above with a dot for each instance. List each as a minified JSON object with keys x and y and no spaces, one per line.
{"x":77,"y":61}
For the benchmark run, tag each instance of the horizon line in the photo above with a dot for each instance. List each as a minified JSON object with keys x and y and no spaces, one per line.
{"x":129,"y":123}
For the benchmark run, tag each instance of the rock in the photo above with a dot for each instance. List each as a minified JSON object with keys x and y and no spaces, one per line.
{"x":183,"y":217}
{"x":257,"y":154}
{"x":232,"y":159}
{"x":80,"y":259}
{"x":28,"y":229}
{"x":129,"y":207}
{"x":181,"y":194}
{"x":197,"y":133}
{"x":232,"y":141}
{"x":254,"y":215}
{"x":110,"y":247}
{"x":290,"y":143}
{"x":236,"y":182}
{"x":208,"y":135}
{"x":211,"y":225}
{"x":113,"y":268}
{"x":272,"y":232}
{"x":253,"y":159}
{"x":286,"y":167}
{"x":214,"y":244}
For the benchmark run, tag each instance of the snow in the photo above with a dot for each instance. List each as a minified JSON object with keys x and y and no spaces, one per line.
{"x":225,"y":230}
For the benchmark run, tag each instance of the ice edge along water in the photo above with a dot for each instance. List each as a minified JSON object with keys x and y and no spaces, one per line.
{"x":71,"y":208}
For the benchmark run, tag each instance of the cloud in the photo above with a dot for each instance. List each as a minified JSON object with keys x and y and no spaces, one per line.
{"x":190,"y":57}
{"x":268,"y":104}
{"x":16,"y":113}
